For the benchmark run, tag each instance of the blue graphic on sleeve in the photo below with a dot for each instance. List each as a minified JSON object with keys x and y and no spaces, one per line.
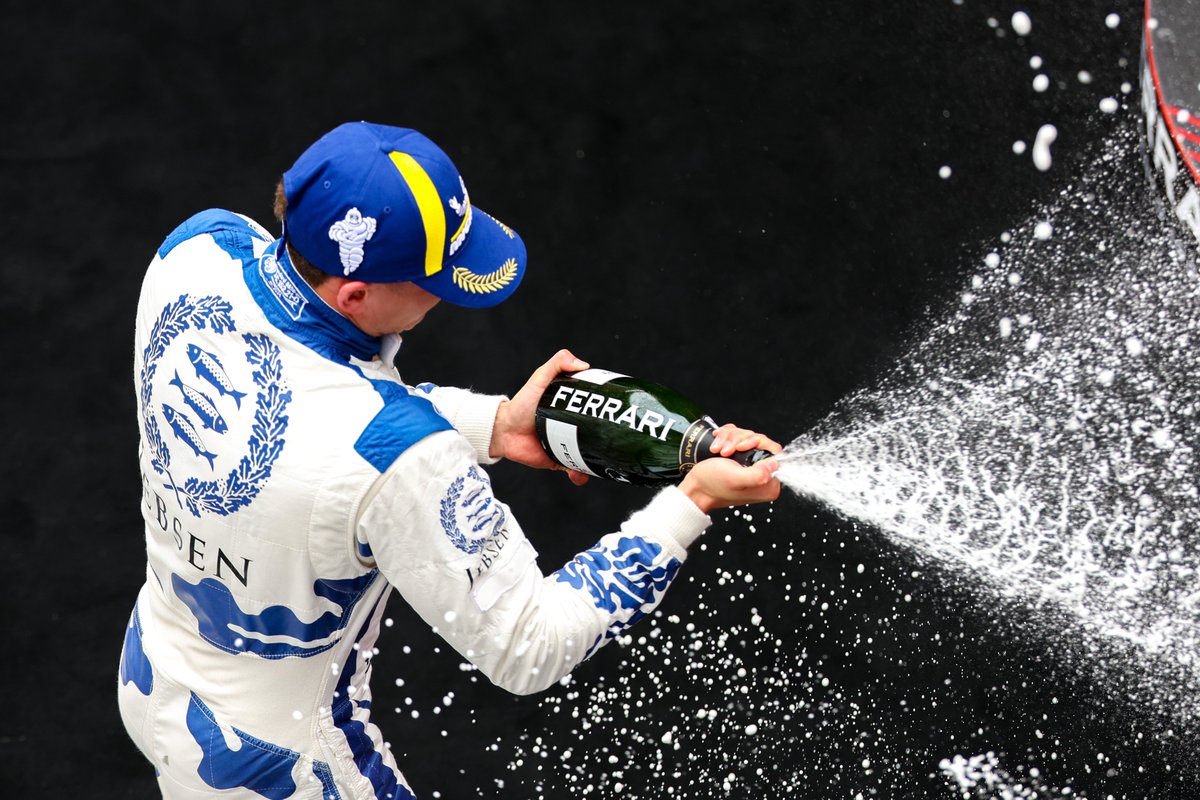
{"x":202,"y":405}
{"x":186,"y":432}
{"x":259,"y":766}
{"x":135,"y":667}
{"x":224,"y":625}
{"x":369,"y":762}
{"x":403,"y":421}
{"x":209,"y":368}
{"x":626,"y":581}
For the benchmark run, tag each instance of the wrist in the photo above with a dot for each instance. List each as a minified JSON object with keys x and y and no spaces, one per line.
{"x":702,"y":499}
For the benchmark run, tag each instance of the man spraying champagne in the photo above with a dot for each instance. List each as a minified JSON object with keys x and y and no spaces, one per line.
{"x":275,"y":538}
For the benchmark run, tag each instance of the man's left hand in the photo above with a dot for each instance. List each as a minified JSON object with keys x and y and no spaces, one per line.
{"x":514,"y":436}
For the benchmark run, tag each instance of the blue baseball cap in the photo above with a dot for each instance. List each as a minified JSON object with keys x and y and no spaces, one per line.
{"x":384,"y":205}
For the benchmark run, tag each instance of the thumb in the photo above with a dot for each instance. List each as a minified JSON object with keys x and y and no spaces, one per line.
{"x":562,"y":361}
{"x":759,"y":474}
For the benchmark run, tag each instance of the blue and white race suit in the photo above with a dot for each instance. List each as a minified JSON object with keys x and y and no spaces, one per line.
{"x":290,"y":481}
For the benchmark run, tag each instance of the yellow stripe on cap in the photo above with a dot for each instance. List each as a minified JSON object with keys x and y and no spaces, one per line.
{"x":429,"y":204}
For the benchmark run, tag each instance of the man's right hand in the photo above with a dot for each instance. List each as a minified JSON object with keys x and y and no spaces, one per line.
{"x":722,"y":482}
{"x":514,"y":435}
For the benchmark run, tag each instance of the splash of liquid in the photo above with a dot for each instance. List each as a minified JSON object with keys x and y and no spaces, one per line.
{"x":1042,"y":440}
{"x":984,"y":778}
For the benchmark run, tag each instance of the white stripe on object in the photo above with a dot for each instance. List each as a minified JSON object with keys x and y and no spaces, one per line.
{"x":598,"y":376}
{"x":564,"y":444}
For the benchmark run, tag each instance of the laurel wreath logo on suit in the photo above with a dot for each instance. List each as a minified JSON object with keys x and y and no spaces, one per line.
{"x":236,"y":490}
{"x":470,"y":515}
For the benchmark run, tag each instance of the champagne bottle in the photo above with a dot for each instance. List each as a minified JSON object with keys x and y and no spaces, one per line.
{"x":613,"y":426}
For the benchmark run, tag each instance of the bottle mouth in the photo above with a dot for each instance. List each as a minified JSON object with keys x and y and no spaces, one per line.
{"x":751,"y":457}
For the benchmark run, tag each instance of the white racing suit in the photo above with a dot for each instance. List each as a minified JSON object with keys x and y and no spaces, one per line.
{"x":290,"y":480}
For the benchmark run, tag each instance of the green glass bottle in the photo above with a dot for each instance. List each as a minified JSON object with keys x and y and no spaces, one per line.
{"x":613,"y":426}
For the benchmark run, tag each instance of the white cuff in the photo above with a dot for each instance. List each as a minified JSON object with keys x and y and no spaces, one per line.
{"x":475,"y":418}
{"x":671,"y":518}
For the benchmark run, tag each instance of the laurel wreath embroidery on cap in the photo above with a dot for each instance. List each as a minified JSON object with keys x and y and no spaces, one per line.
{"x":485,"y":284}
{"x":243,"y":483}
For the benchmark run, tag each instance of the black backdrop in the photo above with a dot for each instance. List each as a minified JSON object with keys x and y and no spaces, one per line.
{"x":741,"y":200}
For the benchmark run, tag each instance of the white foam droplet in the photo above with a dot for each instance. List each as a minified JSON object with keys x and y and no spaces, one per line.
{"x":1084,"y":76}
{"x":1134,"y":346}
{"x":1109,"y":105}
{"x":751,"y":729}
{"x":1021,"y":23}
{"x":1042,"y":231}
{"x":944,"y":172}
{"x":1035,"y":62}
{"x":297,"y":714}
{"x":449,"y":616}
{"x":992,"y":260}
{"x":1041,"y":146}
{"x":1112,"y":20}
{"x":1041,"y":82}
{"x":1018,"y":147}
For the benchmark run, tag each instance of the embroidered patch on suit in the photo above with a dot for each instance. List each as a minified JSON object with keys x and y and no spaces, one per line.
{"x":200,"y":411}
{"x":470,"y":514}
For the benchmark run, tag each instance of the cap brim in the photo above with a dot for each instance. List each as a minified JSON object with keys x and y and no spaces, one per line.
{"x":485,"y":271}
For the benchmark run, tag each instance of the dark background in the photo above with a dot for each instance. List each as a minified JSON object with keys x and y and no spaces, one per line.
{"x":740,"y":200}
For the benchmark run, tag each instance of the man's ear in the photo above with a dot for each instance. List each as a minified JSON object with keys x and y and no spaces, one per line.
{"x":350,"y":297}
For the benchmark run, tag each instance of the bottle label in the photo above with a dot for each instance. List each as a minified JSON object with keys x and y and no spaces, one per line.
{"x":563,"y":439}
{"x":597,"y":376}
{"x":688,"y":455}
{"x":612,"y":409}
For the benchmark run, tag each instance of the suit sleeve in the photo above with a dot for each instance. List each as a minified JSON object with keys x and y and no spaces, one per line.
{"x":459,"y":557}
{"x":473,"y":415}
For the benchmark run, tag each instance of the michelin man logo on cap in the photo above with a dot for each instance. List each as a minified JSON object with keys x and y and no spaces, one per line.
{"x":386,"y":205}
{"x":351,"y":233}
